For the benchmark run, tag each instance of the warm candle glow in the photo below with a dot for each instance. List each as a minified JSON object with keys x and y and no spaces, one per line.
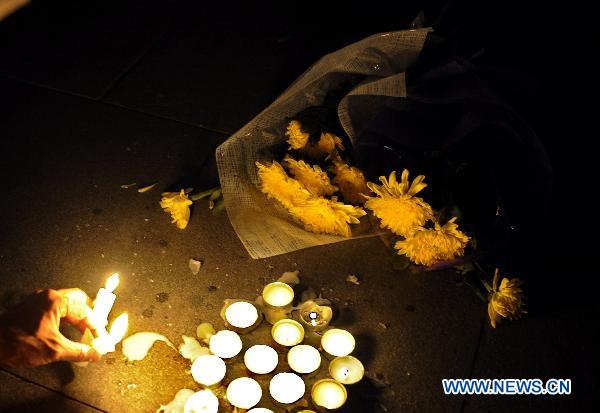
{"x":244,"y":393}
{"x":346,"y":370}
{"x":261,"y":359}
{"x":241,"y":314}
{"x":338,"y":342}
{"x":304,"y":359}
{"x":112,"y":283}
{"x":287,"y":332}
{"x":225,"y":344}
{"x":203,"y":401}
{"x":287,"y":387}
{"x":208,"y":370}
{"x":118,"y":328}
{"x":260,"y":410}
{"x":278,"y":294}
{"x":329,"y":394}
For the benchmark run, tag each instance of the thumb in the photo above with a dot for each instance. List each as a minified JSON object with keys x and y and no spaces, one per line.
{"x":73,"y":351}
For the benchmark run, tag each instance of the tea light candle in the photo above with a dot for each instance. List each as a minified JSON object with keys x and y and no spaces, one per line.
{"x":261,"y":359}
{"x":304,"y":359}
{"x":260,"y":410}
{"x":278,"y":294}
{"x":208,"y":370}
{"x":104,"y":302}
{"x":241,"y":314}
{"x":203,"y":401}
{"x":244,"y":393}
{"x":329,"y":394}
{"x":338,"y":342}
{"x":346,"y":370}
{"x":287,"y":387}
{"x":313,"y":316}
{"x":287,"y":332}
{"x":225,"y":344}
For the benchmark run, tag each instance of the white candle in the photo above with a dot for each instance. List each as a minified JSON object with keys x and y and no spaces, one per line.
{"x":244,"y":393}
{"x":287,"y":332}
{"x":106,"y":342}
{"x":104,"y":302}
{"x":338,"y":342}
{"x":304,"y":359}
{"x":261,"y":359}
{"x":260,"y":410}
{"x":208,"y":370}
{"x":225,"y":344}
{"x":203,"y":401}
{"x":287,"y":387}
{"x":278,"y":294}
{"x":329,"y":394}
{"x":241,"y":314}
{"x":346,"y":370}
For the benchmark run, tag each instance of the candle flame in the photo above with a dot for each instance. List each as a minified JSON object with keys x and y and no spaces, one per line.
{"x":119,"y":328}
{"x":112,"y":282}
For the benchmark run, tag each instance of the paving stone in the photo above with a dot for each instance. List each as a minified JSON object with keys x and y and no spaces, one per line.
{"x":79,"y":47}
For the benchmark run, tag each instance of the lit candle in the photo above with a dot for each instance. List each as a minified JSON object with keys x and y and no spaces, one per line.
{"x":244,"y":393}
{"x":208,"y":370}
{"x":260,"y":410}
{"x":106,"y":342}
{"x":104,"y":302}
{"x":304,"y":359}
{"x":346,"y":370}
{"x":203,"y":401}
{"x":278,"y":294}
{"x":241,"y":314}
{"x":287,"y":387}
{"x":338,"y":342}
{"x":329,"y":394}
{"x":225,"y":344}
{"x":287,"y":332}
{"x":313,"y":316}
{"x":261,"y":359}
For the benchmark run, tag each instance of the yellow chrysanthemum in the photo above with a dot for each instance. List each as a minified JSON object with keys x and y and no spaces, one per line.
{"x":296,"y":138}
{"x":178,"y":205}
{"x":278,"y":185}
{"x":328,"y":142}
{"x":327,"y":216}
{"x":351,"y":181}
{"x":396,"y":204}
{"x":314,"y":179}
{"x":428,"y":246}
{"x":328,"y":145}
{"x":506,"y":301}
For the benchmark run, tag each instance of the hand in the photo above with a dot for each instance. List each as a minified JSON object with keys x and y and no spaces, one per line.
{"x":29,"y":333}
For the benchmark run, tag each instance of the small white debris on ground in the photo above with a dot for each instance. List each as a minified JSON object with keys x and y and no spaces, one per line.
{"x":195,"y":266}
{"x":352,"y":279}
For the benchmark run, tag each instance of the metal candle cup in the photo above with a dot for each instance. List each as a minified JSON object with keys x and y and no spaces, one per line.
{"x":329,"y":394}
{"x":203,"y":401}
{"x":338,"y":342}
{"x":244,"y":393}
{"x":261,"y":359}
{"x":287,"y":332}
{"x":225,"y":344}
{"x":346,"y":370}
{"x":208,"y":370}
{"x":304,"y":359}
{"x":287,"y":387}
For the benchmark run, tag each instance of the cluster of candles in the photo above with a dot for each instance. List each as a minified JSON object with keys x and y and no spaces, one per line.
{"x":303,"y":359}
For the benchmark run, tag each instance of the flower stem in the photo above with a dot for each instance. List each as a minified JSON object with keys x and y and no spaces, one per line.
{"x":204,"y":194}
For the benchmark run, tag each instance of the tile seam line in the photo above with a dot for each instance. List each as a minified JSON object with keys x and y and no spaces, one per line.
{"x":66,"y":396}
{"x":113,"y":83}
{"x":463,"y":404}
{"x":115,"y":105}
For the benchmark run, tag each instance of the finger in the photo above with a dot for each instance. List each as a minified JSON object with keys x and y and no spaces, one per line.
{"x":72,"y":351}
{"x":75,"y":309}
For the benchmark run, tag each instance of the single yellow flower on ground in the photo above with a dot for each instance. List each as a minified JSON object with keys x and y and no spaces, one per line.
{"x":326,"y":216}
{"x":428,"y":246}
{"x":396,"y":205}
{"x":314,"y":179}
{"x":178,"y":205}
{"x":278,"y":185}
{"x":351,"y":181}
{"x":506,"y":300}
